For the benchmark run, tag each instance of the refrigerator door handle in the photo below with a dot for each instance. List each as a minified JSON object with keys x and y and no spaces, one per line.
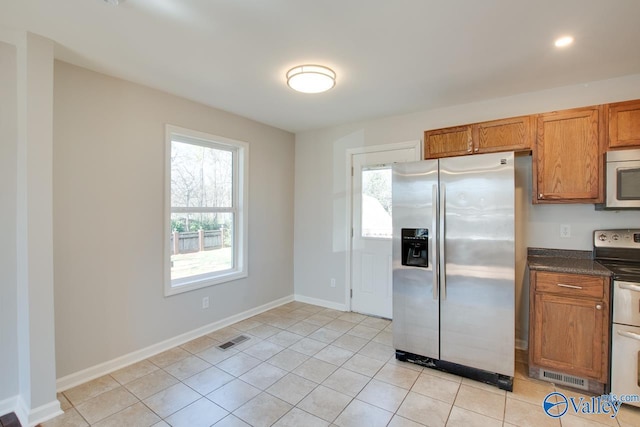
{"x":434,"y":240}
{"x":441,"y":240}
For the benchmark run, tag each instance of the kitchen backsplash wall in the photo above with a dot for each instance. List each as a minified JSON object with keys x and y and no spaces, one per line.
{"x":543,"y":222}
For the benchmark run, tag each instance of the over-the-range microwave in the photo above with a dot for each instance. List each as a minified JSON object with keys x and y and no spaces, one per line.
{"x":623,"y":179}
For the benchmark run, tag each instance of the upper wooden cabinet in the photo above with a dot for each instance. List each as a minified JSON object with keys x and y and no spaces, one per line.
{"x":514,"y":134}
{"x":624,"y":124}
{"x":567,"y":157}
{"x":456,"y":141}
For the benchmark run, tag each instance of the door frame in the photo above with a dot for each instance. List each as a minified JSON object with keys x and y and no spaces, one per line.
{"x":417,"y":146}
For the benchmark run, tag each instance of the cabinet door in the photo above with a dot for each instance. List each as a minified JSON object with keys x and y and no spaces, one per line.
{"x":624,"y":124}
{"x":513,"y":134}
{"x":567,"y":157}
{"x":568,"y":335}
{"x":447,"y":142}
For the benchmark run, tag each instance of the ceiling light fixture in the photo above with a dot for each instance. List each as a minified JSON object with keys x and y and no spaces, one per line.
{"x":311,"y":78}
{"x":564,"y":41}
{"x":113,"y":2}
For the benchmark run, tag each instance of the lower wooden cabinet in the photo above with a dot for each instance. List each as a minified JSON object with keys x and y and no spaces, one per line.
{"x":569,"y":324}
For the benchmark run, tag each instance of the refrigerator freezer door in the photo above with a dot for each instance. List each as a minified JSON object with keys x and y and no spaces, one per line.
{"x":478,"y":261}
{"x":415,"y":288}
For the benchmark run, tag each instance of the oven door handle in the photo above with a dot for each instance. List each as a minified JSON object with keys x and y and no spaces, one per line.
{"x":631,"y":335}
{"x":629,"y":286}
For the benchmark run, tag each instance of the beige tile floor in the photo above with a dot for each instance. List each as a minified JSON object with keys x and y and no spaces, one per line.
{"x":306,"y":366}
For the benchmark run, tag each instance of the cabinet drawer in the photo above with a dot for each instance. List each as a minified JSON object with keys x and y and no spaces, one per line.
{"x":577,"y":285}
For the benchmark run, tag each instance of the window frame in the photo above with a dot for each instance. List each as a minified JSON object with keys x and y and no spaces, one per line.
{"x":239,"y":209}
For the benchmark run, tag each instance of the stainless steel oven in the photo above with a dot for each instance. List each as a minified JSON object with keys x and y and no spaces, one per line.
{"x":623,"y":180}
{"x":619,"y":251}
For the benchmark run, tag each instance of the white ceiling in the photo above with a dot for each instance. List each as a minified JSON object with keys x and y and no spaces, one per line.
{"x":391,"y":56}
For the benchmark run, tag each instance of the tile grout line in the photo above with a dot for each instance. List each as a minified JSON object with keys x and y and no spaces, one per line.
{"x":284,"y":327}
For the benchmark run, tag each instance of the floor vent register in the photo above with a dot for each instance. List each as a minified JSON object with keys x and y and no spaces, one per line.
{"x":233,"y":342}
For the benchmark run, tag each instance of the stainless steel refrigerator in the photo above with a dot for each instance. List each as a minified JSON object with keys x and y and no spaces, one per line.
{"x":454,"y":265}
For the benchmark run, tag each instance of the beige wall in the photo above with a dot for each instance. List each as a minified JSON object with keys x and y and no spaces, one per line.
{"x":320,"y":202}
{"x":108,"y":218}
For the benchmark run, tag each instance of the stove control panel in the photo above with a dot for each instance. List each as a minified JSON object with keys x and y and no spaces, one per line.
{"x":619,"y":238}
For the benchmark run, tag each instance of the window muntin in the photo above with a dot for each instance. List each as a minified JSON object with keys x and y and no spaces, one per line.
{"x":206,"y":221}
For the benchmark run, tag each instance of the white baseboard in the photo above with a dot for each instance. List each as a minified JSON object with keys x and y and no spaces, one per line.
{"x":97,"y":371}
{"x":22,"y":411}
{"x":522,"y":344}
{"x":26,"y":416}
{"x":321,"y":302}
{"x":30,"y":417}
{"x":9,"y":405}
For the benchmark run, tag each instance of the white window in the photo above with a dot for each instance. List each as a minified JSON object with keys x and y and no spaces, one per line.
{"x":205,"y":210}
{"x":376,"y":202}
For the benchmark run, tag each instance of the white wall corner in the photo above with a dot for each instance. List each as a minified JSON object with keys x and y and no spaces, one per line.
{"x":107,"y":367}
{"x":321,"y":302}
{"x":33,"y":417}
{"x":36,"y":335}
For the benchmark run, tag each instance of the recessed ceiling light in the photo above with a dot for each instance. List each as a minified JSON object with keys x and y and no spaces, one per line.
{"x":564,"y":41}
{"x":311,"y":78}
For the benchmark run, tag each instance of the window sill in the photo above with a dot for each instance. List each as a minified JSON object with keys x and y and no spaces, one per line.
{"x":171,"y":289}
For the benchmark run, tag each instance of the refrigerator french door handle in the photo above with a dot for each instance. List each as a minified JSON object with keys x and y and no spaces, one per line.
{"x":441,"y":240}
{"x":434,"y":240}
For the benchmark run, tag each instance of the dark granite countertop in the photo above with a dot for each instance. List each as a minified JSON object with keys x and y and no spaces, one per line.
{"x":565,"y":261}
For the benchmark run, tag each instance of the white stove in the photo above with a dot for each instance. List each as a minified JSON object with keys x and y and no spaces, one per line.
{"x":619,"y":251}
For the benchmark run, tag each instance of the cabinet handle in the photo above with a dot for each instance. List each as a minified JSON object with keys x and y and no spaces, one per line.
{"x":540,"y":196}
{"x":562,"y":285}
{"x":598,"y":306}
{"x":477,"y":149}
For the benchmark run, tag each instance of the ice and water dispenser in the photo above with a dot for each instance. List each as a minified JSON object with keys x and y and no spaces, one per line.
{"x":415,"y":247}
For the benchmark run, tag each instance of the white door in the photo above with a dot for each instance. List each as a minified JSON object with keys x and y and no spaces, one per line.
{"x":371,"y":224}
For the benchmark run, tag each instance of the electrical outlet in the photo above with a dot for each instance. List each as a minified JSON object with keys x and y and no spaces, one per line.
{"x":205,"y":302}
{"x":565,"y":231}
{"x":333,"y":282}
